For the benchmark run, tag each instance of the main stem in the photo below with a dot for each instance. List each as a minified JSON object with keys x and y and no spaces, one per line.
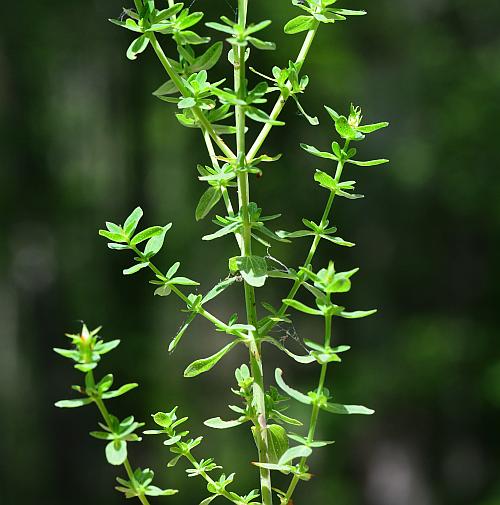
{"x":246,"y":250}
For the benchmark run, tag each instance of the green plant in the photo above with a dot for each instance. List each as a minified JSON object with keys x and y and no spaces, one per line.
{"x":205,"y":105}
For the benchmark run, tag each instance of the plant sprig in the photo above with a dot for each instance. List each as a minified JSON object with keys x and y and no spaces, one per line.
{"x":226,"y":113}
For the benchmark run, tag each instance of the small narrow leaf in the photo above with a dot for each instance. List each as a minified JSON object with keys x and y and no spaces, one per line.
{"x":147,"y":234}
{"x":218,"y":289}
{"x":369,"y":128}
{"x":204,"y":365}
{"x":72,"y":404}
{"x":299,"y":24}
{"x":337,"y":408}
{"x":135,"y":268}
{"x":301,"y":307}
{"x":154,"y":244}
{"x":297,"y":395}
{"x":120,"y":391}
{"x":358,"y":314}
{"x":137,"y":46}
{"x":132,"y":221}
{"x":315,"y":152}
{"x":207,"y":202}
{"x":219,"y":424}
{"x":300,"y":451}
{"x":371,"y":163}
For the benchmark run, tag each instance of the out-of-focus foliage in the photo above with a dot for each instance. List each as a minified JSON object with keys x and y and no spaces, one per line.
{"x":82,"y":139}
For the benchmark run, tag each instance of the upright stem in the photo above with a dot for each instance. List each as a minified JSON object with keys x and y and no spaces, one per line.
{"x":312,"y":251}
{"x":246,"y":250}
{"x":280,"y":103}
{"x":107,"y":419}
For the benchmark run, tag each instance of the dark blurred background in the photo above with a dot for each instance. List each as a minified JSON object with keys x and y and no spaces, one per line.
{"x":83,"y":141}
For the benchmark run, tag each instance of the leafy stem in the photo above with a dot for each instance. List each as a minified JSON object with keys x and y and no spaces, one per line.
{"x":107,"y":419}
{"x":246,"y":250}
{"x":282,"y":99}
{"x":200,"y":116}
{"x":204,"y":313}
{"x":301,"y":276}
{"x":315,"y":411}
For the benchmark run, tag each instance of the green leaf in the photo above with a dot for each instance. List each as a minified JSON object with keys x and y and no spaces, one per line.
{"x":168,"y":13}
{"x":116,"y":452}
{"x":299,"y":24}
{"x":297,"y":395}
{"x":261,"y":44}
{"x":315,"y":152}
{"x":115,"y":237}
{"x":219,"y":424}
{"x":301,"y":307}
{"x":261,"y":117}
{"x":73,"y":404}
{"x":370,"y":163}
{"x":167,"y":88}
{"x":226,"y":230}
{"x":325,"y":180}
{"x":154,"y":244}
{"x":300,"y":451}
{"x":337,"y":408}
{"x":210,"y":499}
{"x":358,"y":314}
{"x":299,"y":359}
{"x":277,"y":442}
{"x":207,"y":202}
{"x":218,"y":289}
{"x":208,"y":59}
{"x":204,"y":365}
{"x":333,"y":114}
{"x":138,"y":46}
{"x":132,"y":221}
{"x":156,"y":491}
{"x":175,"y":341}
{"x":183,"y":281}
{"x":147,"y":234}
{"x":135,"y":268}
{"x":369,"y":128}
{"x":120,"y":391}
{"x":253,"y":270}
{"x":344,"y":129}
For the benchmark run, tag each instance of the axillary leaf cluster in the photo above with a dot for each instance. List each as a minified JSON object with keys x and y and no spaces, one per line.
{"x":235,"y":120}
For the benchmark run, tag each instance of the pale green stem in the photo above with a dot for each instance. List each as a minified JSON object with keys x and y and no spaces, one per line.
{"x":246,"y":250}
{"x":203,"y":121}
{"x":315,"y":411}
{"x":204,"y":313}
{"x":281,"y":101}
{"x":207,"y":477}
{"x":215,"y":164}
{"x":312,"y":251}
{"x":107,"y":419}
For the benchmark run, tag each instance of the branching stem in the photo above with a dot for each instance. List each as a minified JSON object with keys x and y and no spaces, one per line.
{"x":312,"y":251}
{"x":281,"y":101}
{"x":200,"y":116}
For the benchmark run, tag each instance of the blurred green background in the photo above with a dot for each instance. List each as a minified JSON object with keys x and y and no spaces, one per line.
{"x":83,"y":141}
